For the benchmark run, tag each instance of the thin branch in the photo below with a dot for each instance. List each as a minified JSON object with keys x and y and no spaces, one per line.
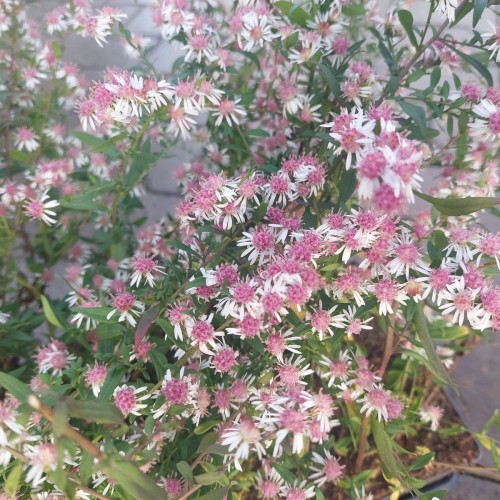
{"x":67,"y":430}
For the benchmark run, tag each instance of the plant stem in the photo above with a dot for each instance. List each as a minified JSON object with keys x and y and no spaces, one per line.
{"x":404,"y":72}
{"x":362,"y":445}
{"x":67,"y":430}
{"x":78,"y":486}
{"x":389,"y":345}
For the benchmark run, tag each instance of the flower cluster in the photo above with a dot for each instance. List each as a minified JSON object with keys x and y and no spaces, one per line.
{"x":295,"y":303}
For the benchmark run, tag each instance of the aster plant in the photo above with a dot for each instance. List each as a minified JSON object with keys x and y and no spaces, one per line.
{"x":280,"y":333}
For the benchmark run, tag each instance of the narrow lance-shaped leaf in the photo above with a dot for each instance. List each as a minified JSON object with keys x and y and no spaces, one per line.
{"x":406,"y":20}
{"x":95,"y":411}
{"x":459,"y":206}
{"x":137,"y":484}
{"x":389,"y":460}
{"x":435,"y":362}
{"x":479,"y":6}
{"x":19,"y":390}
{"x":49,"y":313}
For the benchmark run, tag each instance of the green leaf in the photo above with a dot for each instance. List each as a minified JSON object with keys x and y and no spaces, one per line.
{"x":5,"y":236}
{"x":319,"y":495}
{"x":260,"y":213}
{"x":185,"y":470}
{"x":416,"y":113}
{"x":421,"y":461}
{"x":459,"y":206}
{"x":86,"y":200}
{"x":406,"y":20}
{"x":99,"y":412}
{"x":347,"y":185}
{"x":108,"y":143}
{"x":86,"y":467}
{"x":113,"y":378}
{"x":19,"y":390}
{"x":212,"y":478}
{"x":218,"y":494}
{"x":435,"y":76}
{"x":479,"y":6}
{"x":97,"y":313}
{"x":49,"y":313}
{"x":20,"y":156}
{"x":89,"y":139}
{"x":205,"y":426}
{"x":354,"y":10}
{"x":463,"y":120}
{"x":296,"y":14}
{"x":389,"y":460}
{"x":142,"y":163}
{"x":257,"y":132}
{"x":130,"y":479}
{"x":435,"y":363}
{"x":473,"y":60}
{"x":461,"y":13}
{"x":332,"y":81}
{"x":12,"y":481}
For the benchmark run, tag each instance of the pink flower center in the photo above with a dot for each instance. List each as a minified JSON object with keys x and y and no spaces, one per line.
{"x":250,"y":326}
{"x":202,"y":331}
{"x":226,"y":107}
{"x":494,"y":122}
{"x":243,"y":293}
{"x":289,"y":374}
{"x":276,"y":344}
{"x":176,"y":391}
{"x":320,"y":320}
{"x":224,"y":360}
{"x":143,"y":264}
{"x":293,"y":420}
{"x":332,"y":469}
{"x":386,"y":291}
{"x":124,"y":301}
{"x":463,"y":301}
{"x":125,"y":400}
{"x":407,"y":253}
{"x":199,"y":42}
{"x":262,"y":240}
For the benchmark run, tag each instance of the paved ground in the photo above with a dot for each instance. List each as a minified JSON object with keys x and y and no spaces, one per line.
{"x":476,"y":374}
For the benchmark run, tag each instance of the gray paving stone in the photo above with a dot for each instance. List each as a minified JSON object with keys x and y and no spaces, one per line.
{"x":476,"y":375}
{"x":472,"y":488}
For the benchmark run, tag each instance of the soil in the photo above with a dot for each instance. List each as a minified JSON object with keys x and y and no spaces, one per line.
{"x":457,"y":449}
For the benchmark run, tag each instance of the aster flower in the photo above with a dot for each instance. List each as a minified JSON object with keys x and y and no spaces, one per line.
{"x":447,"y":7}
{"x":244,"y":436}
{"x":128,"y":306}
{"x":42,"y":458}
{"x":492,"y":40}
{"x":328,"y":470}
{"x":26,"y":139}
{"x":128,"y":399}
{"x":376,"y":400}
{"x":431,"y":414}
{"x":95,"y":377}
{"x":144,"y":267}
{"x":459,"y":301}
{"x":40,"y":208}
{"x":228,"y":111}
{"x":488,"y":126}
{"x":260,"y":243}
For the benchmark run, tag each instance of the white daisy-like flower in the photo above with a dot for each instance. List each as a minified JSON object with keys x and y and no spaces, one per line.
{"x":459,"y":301}
{"x":328,"y":470}
{"x":492,"y":39}
{"x":242,"y":438}
{"x":488,"y":126}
